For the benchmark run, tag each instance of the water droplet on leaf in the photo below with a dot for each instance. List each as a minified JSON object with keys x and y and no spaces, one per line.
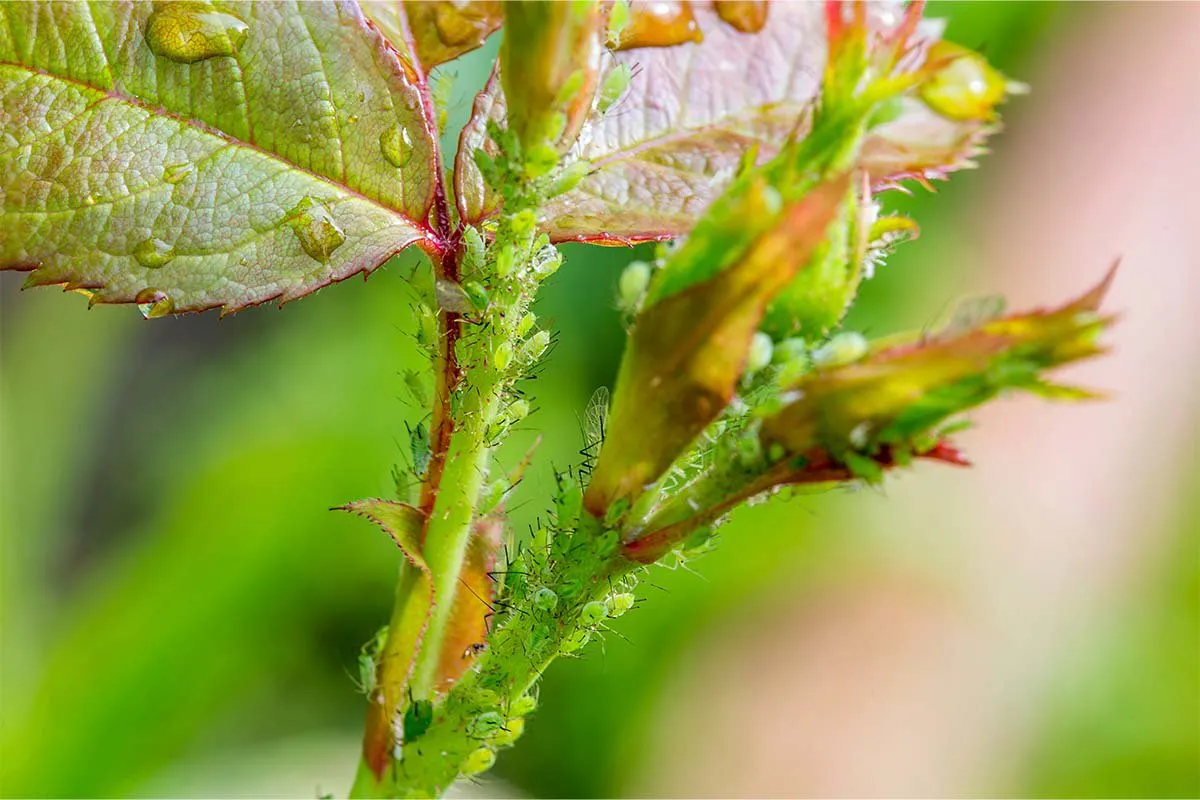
{"x":396,"y":145}
{"x":154,"y":303}
{"x":660,"y":24}
{"x":747,"y":16}
{"x":188,"y":32}
{"x":316,"y":229}
{"x":153,"y":253}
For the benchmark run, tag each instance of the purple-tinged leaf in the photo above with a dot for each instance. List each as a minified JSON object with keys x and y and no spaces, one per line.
{"x":404,"y":524}
{"x":473,"y":197}
{"x":694,"y":111}
{"x":187,"y":156}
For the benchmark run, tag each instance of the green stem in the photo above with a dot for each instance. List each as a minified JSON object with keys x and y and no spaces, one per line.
{"x":449,"y":529}
{"x":366,"y":784}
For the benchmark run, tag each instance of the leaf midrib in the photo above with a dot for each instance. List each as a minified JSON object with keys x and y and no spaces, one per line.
{"x":203,"y":127}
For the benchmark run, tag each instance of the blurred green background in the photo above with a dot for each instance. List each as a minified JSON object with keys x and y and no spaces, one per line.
{"x":181,"y":614}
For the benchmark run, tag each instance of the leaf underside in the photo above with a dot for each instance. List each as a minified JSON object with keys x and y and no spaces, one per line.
{"x":692,"y":113}
{"x":247,"y":163}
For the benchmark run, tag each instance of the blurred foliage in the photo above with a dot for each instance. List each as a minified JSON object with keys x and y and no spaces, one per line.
{"x":174,"y":591}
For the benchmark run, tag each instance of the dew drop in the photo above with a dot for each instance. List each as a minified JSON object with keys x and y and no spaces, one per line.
{"x":153,"y":253}
{"x":188,"y":32}
{"x":660,"y":24}
{"x":747,"y":16}
{"x":174,"y":173}
{"x":154,"y":303}
{"x":316,"y":229}
{"x":396,"y":145}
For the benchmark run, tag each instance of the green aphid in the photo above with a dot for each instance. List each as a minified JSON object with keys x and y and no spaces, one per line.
{"x":427,"y":328}
{"x":545,"y":599}
{"x":792,"y":361}
{"x":505,"y":258}
{"x":575,"y":642}
{"x":568,"y":503}
{"x":492,"y":496}
{"x":539,"y":541}
{"x":474,"y":250}
{"x":759,"y":356}
{"x":619,"y":603}
{"x":902,"y":455}
{"x":523,"y":705}
{"x":509,"y":734}
{"x":484,"y":725}
{"x":592,"y":613}
{"x":418,"y":443}
{"x":569,"y":177}
{"x":607,"y":543}
{"x":631,"y":287}
{"x":540,"y":159}
{"x":524,"y":222}
{"x":618,"y":20}
{"x":415,"y":383}
{"x":476,"y":294}
{"x":418,"y":717}
{"x":479,"y":761}
{"x":366,"y":673}
{"x":841,"y":349}
{"x":616,"y":512}
{"x":502,"y":356}
{"x":517,"y":410}
{"x":613,"y":87}
{"x":532,"y":349}
{"x":570,"y":87}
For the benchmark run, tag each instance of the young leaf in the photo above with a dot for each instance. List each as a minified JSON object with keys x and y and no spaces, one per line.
{"x":474,"y":198}
{"x":901,"y":391}
{"x":191,"y":156}
{"x":884,"y":409}
{"x":687,"y":352}
{"x":403,"y":523}
{"x":695,"y":111}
